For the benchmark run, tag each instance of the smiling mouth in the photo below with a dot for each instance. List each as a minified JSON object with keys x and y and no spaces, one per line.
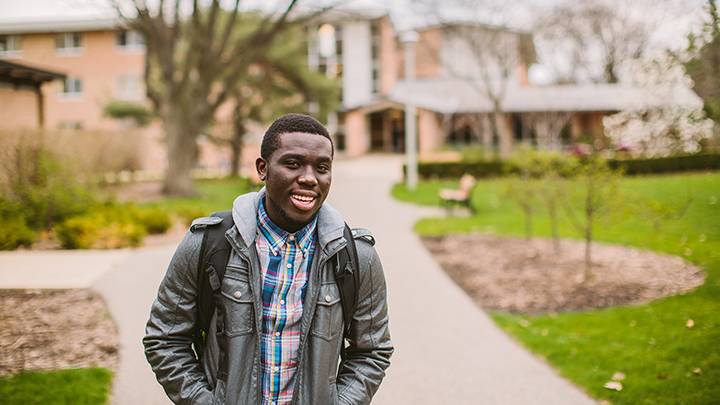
{"x":303,"y":202}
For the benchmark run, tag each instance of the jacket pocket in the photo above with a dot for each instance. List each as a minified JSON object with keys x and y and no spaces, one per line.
{"x":328,"y":320}
{"x":239,"y":312}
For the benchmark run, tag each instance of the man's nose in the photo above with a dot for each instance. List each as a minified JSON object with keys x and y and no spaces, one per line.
{"x":307,"y":177}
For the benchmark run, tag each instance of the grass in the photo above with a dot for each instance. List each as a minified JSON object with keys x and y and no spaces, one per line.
{"x":664,"y":361}
{"x":215,"y":195}
{"x":85,"y":386}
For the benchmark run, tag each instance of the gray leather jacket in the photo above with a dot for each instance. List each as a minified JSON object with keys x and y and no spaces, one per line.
{"x":230,"y":373}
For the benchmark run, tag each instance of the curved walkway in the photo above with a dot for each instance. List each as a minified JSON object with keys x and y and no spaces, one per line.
{"x":447,"y":349}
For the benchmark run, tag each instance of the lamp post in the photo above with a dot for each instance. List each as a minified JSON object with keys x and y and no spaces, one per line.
{"x":409,"y":39}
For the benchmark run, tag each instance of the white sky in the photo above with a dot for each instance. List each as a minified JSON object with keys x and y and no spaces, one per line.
{"x":678,"y":16}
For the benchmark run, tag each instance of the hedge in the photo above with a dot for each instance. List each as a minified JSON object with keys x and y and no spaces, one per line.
{"x":452,"y":170}
{"x":668,"y":165}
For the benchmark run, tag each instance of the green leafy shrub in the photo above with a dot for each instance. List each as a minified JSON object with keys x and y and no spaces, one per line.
{"x":43,"y":188}
{"x":100,"y":231}
{"x":78,"y":232}
{"x":15,"y":233}
{"x":154,"y":220}
{"x":138,"y":113}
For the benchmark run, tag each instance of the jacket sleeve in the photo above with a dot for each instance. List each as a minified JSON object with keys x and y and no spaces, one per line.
{"x":169,"y":331}
{"x":370,"y":348}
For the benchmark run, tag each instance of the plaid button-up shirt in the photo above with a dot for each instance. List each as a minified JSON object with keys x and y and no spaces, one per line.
{"x":285,"y":263}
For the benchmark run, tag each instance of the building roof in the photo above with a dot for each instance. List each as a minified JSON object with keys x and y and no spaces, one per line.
{"x":451,"y":95}
{"x":22,"y":74}
{"x":58,"y":16}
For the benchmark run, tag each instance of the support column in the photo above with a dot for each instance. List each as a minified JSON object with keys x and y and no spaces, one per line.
{"x":409,"y":39}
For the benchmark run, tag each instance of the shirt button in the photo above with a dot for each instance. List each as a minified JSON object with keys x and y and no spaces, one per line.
{"x":277,"y":333}
{"x":289,"y":265}
{"x":291,"y":238}
{"x":328,"y":298}
{"x":282,"y":302}
{"x":276,"y":368}
{"x":237,"y":294}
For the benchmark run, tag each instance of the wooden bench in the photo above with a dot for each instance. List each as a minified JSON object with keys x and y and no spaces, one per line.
{"x":461,"y":196}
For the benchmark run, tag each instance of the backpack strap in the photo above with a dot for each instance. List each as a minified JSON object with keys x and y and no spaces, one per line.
{"x":347,"y":277}
{"x":214,"y":255}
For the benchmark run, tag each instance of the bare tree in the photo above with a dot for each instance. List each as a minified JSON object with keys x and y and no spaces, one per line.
{"x":595,"y":40}
{"x":479,"y":49}
{"x":195,"y":55}
{"x":548,"y":126}
{"x":492,"y":57}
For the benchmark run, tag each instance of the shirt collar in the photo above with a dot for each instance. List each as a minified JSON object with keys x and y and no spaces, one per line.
{"x":278,"y":237}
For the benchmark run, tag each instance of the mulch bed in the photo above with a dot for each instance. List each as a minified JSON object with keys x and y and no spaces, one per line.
{"x":54,"y":329}
{"x":521,"y":276}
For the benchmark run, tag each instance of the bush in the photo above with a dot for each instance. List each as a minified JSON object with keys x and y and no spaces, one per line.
{"x":138,"y":113}
{"x":153,"y":220}
{"x":453,"y":170}
{"x":100,"y":231}
{"x":42,"y":188}
{"x":672,"y":164}
{"x":15,"y":233}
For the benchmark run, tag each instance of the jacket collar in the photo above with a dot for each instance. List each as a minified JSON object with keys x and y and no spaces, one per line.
{"x":330,"y":223}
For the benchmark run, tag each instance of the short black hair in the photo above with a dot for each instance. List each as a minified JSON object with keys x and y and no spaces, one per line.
{"x":289,"y":123}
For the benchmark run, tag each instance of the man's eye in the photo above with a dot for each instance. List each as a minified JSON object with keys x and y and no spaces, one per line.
{"x":323,"y":168}
{"x":292,"y":163}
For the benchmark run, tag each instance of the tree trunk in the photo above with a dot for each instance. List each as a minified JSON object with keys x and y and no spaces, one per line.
{"x":487,"y":136}
{"x":182,"y":156}
{"x":589,"y":223}
{"x":503,"y":133}
{"x":236,"y":145}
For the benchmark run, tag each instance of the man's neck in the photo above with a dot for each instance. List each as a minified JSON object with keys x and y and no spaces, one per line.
{"x":280,"y":218}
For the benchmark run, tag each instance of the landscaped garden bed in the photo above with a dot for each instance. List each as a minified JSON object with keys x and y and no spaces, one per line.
{"x":58,"y":347}
{"x":531,"y":276}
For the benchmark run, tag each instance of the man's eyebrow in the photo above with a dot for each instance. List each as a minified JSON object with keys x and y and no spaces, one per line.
{"x":299,"y":156}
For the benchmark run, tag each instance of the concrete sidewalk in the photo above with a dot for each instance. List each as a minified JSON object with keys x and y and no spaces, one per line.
{"x":57,"y":269}
{"x":447,"y":349}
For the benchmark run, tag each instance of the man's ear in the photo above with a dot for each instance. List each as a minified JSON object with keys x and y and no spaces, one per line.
{"x":261,"y":167}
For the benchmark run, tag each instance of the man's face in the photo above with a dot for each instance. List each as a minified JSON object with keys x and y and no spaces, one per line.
{"x":297,"y":178}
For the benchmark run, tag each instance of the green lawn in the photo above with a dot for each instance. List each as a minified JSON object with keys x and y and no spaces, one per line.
{"x":649,"y":343}
{"x":86,"y":386}
{"x":215,"y":195}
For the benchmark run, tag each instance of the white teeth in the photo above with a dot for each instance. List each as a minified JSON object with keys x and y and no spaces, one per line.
{"x":302,"y":198}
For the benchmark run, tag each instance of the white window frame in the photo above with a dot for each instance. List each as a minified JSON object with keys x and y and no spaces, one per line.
{"x":133,"y":40}
{"x":68,"y":37}
{"x":14,"y":50}
{"x":129,"y":88}
{"x":75,"y":93}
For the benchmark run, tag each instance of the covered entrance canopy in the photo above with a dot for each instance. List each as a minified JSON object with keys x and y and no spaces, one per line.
{"x":20,"y":77}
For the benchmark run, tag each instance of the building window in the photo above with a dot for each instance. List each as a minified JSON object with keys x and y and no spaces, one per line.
{"x":9,"y":45}
{"x":70,"y":125}
{"x":129,"y":87}
{"x":129,"y":40}
{"x":68,"y":42}
{"x":72,"y":87}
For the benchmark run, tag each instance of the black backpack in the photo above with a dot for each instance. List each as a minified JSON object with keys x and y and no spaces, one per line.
{"x":215,"y":253}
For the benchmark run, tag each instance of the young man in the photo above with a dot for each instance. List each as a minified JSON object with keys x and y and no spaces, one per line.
{"x":277,"y":332}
